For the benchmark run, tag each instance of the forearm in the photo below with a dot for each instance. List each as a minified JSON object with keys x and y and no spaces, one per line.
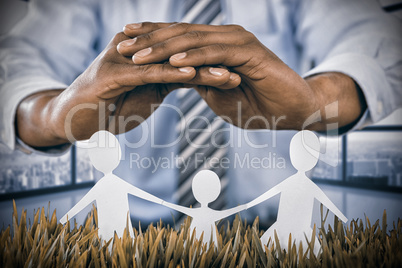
{"x":51,"y":118}
{"x":339,"y":101}
{"x":33,"y":120}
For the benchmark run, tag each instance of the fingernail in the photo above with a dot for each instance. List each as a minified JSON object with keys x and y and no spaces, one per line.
{"x":133,"y":26}
{"x":217,"y":71}
{"x":179,"y":56}
{"x":128,"y":43}
{"x":233,"y":76}
{"x":143,"y":53}
{"x":186,"y":69}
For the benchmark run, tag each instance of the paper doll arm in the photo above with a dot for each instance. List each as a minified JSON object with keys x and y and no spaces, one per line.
{"x":185,"y":210}
{"x":227,"y":212}
{"x":323,"y":198}
{"x":142,"y":194}
{"x":267,"y":195}
{"x":85,"y":201}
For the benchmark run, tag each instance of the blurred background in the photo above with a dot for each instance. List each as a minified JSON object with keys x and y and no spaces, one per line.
{"x":367,"y":180}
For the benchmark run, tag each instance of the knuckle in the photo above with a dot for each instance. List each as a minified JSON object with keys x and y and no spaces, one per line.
{"x":165,"y":70}
{"x":149,"y":26}
{"x":146,"y":24}
{"x":145,"y":38}
{"x":150,"y":68}
{"x":108,"y":54}
{"x":204,"y":53}
{"x":237,"y":28}
{"x":150,"y":72}
{"x":144,"y":73}
{"x":163,"y":46}
{"x":222,"y":47}
{"x":183,"y":26}
{"x":118,"y":38}
{"x":249,"y":36}
{"x":197,"y":35}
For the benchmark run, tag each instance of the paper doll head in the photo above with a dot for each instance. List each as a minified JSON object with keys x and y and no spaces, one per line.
{"x":304,"y":150}
{"x":105,"y":151}
{"x":206,"y":186}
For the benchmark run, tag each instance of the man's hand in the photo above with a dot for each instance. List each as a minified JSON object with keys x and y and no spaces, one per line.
{"x":113,"y":93}
{"x":266,"y":87}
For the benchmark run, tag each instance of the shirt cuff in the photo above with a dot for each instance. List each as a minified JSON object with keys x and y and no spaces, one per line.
{"x":371,"y":79}
{"x":11,"y":94}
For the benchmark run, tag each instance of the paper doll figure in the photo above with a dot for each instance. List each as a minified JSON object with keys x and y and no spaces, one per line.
{"x":297,"y":195}
{"x":206,"y":188}
{"x":110,"y":192}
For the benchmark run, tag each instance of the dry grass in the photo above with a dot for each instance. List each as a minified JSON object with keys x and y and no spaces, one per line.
{"x":46,"y":243}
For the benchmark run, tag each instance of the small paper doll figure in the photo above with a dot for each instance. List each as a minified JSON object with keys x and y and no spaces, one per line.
{"x":110,"y":192}
{"x":206,"y":188}
{"x":297,"y":195}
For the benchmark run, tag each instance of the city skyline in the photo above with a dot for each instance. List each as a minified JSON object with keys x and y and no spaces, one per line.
{"x":370,"y":155}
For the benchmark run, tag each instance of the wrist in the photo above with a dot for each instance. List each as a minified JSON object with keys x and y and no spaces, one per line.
{"x":54,"y":120}
{"x":339,"y":102}
{"x":33,"y":120}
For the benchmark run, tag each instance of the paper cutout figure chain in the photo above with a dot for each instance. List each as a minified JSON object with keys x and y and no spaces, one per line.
{"x":295,"y":206}
{"x":110,"y":192}
{"x":297,"y":195}
{"x":206,"y":188}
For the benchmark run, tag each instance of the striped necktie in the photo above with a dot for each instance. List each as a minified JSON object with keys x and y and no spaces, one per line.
{"x":202,"y":148}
